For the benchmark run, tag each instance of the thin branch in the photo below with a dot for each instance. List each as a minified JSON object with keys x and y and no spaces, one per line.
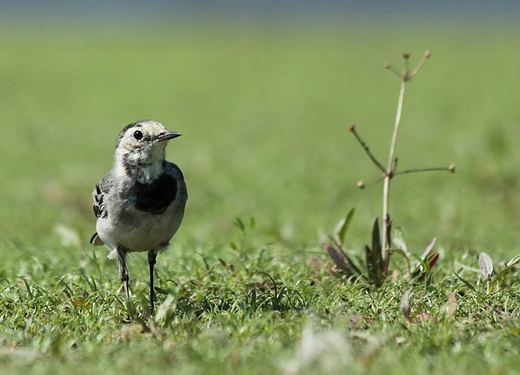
{"x":352,"y":128}
{"x":425,"y":57}
{"x":363,"y":184}
{"x":390,"y":67}
{"x":406,"y":73}
{"x":451,"y":169}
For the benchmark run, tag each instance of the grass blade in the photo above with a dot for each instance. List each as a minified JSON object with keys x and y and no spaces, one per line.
{"x":343,"y":226}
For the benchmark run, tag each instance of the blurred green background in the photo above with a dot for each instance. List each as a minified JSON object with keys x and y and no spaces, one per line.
{"x":264,"y":111}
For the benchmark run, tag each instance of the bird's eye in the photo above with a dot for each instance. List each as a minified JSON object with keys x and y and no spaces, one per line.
{"x":138,"y":134}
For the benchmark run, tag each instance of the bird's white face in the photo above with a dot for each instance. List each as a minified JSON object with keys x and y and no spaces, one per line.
{"x":143,"y":142}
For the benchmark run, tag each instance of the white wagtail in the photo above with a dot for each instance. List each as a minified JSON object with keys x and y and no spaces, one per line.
{"x":139,"y":203}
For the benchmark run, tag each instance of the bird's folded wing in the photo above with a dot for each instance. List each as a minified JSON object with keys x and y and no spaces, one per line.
{"x":98,"y":197}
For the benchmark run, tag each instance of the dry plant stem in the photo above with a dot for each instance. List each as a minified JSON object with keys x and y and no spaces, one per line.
{"x":367,"y":150}
{"x":388,"y":174}
{"x":433,"y":169}
{"x":451,"y":169}
{"x":425,"y":57}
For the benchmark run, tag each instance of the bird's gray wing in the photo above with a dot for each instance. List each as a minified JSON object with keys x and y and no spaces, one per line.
{"x":98,"y":197}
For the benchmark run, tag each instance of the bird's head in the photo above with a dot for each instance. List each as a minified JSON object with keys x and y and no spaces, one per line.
{"x":143,"y":143}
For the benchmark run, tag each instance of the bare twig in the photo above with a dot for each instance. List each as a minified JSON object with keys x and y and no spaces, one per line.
{"x":372,"y":157}
{"x":406,"y":73}
{"x":390,"y":67}
{"x":363,"y":184}
{"x":425,"y":57}
{"x":451,"y":169}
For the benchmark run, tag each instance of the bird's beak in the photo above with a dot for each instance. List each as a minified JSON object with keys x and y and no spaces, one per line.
{"x":167,"y":136}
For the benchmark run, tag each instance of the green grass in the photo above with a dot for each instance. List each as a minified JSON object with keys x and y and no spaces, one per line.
{"x":264,"y":115}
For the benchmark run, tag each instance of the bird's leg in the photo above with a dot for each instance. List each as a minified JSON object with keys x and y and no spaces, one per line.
{"x":123,"y":271}
{"x":152,"y":256}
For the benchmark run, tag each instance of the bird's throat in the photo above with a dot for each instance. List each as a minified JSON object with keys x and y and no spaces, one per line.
{"x":145,"y":173}
{"x":150,"y":172}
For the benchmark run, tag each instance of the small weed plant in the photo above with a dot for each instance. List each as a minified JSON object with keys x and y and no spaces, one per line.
{"x":383,"y":243}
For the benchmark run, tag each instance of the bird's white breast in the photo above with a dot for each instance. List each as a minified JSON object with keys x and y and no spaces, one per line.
{"x":140,"y":231}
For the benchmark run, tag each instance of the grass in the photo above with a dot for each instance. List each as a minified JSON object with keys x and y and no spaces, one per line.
{"x":264,"y":115}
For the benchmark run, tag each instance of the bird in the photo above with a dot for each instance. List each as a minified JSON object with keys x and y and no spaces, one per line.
{"x":140,"y":202}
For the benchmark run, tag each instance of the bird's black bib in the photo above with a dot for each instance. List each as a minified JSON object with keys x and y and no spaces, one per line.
{"x":156,"y":196}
